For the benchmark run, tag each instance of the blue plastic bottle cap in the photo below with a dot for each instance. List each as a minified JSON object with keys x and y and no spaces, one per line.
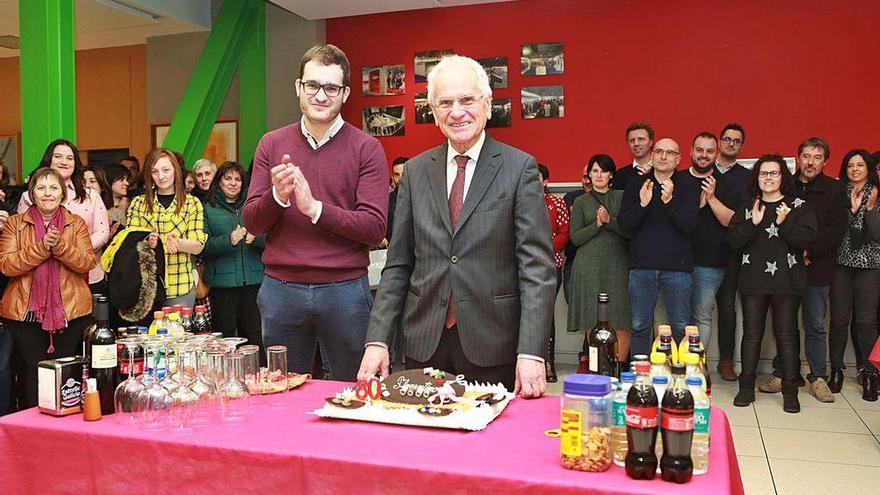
{"x":590,"y":385}
{"x":661,"y":379}
{"x":628,"y":377}
{"x":693,"y":380}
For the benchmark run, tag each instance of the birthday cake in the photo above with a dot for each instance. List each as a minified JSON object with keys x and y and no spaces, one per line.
{"x":420,"y":397}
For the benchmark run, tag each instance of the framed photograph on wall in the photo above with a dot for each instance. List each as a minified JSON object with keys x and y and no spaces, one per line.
{"x":384,"y":80}
{"x":222,"y":143}
{"x":424,"y":115}
{"x":542,"y":59}
{"x":496,"y":69}
{"x":542,"y":102}
{"x":384,"y":121}
{"x":425,"y":61}
{"x":10,"y":156}
{"x":500,"y":113}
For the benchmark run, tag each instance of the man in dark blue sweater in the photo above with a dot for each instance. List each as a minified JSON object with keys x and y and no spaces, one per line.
{"x":660,"y":212}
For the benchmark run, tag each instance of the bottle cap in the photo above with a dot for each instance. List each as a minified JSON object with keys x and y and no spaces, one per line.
{"x":101,"y":311}
{"x":642,"y":367}
{"x":678,"y":369}
{"x":691,"y":330}
{"x":187,"y":311}
{"x":162,"y":331}
{"x":166,"y":309}
{"x":658,"y":358}
{"x":660,"y":379}
{"x":587,"y":385}
{"x":603,"y":297}
{"x":694,"y":380}
{"x":640,"y":357}
{"x":664,"y":329}
{"x":627,"y":377}
{"x":177,"y":308}
{"x":691,"y":358}
{"x":158,"y":315}
{"x":142,"y":329}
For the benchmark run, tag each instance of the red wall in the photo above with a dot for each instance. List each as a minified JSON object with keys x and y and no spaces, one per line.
{"x":784,"y":69}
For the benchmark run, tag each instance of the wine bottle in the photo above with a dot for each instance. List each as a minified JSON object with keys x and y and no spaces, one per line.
{"x":603,"y":342}
{"x":102,"y":349}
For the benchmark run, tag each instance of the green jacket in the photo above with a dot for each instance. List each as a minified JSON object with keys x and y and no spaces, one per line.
{"x":227,"y":265}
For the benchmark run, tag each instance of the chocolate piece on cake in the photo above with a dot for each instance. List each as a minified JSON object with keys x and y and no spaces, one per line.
{"x":417,"y":386}
{"x":345,"y":403}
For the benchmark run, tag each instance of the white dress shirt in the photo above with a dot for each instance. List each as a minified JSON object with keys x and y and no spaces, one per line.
{"x":452,"y":168}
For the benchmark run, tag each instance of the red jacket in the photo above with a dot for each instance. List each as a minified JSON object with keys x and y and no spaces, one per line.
{"x":559,"y":223}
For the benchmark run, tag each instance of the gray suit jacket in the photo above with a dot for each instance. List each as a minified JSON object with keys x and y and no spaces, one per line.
{"x":498,"y":262}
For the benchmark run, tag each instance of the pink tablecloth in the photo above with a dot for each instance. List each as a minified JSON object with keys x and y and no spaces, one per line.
{"x":287,"y":450}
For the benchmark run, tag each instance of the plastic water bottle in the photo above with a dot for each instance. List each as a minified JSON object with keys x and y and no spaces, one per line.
{"x":694,"y":369}
{"x":700,"y":445}
{"x":659,"y":365}
{"x":661,"y":383}
{"x":618,"y":430}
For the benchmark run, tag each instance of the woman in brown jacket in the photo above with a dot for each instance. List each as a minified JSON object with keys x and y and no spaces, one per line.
{"x":46,"y":252}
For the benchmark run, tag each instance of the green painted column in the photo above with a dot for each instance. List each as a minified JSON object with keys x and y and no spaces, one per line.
{"x":209,"y":83}
{"x":48,"y":76}
{"x":252,"y":90}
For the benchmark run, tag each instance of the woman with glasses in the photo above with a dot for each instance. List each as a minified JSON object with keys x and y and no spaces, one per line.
{"x":601,"y":263}
{"x":856,"y":284}
{"x":772,"y":234}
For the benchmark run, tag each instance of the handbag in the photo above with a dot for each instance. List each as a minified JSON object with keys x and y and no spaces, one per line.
{"x":874,"y":358}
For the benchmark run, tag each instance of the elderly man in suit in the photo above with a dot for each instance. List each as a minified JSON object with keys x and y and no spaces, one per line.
{"x":470,"y":265}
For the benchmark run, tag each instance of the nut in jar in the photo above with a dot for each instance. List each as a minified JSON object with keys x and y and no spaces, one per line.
{"x":595,"y":451}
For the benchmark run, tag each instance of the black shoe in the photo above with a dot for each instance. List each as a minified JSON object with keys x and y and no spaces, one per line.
{"x":746,"y":394}
{"x":790,"y":403}
{"x":835,"y":380}
{"x":869,"y":386}
{"x":551,"y":371}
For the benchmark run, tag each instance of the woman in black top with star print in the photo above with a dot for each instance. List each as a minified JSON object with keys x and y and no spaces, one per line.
{"x":772,"y":235}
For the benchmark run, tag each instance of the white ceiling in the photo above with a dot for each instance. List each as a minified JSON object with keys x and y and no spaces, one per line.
{"x":99,"y":25}
{"x":326,"y":9}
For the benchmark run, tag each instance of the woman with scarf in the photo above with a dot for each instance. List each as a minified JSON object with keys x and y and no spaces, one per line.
{"x":856,"y":283}
{"x":47,"y":253}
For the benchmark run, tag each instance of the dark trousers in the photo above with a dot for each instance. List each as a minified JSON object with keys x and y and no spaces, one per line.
{"x":726,"y":300}
{"x":853,"y":290}
{"x":236,"y":314}
{"x":449,"y":357}
{"x":551,"y":345}
{"x":31,"y":343}
{"x":785,"y":310}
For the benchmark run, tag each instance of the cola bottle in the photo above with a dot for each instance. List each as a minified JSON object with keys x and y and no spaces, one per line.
{"x":677,"y":429}
{"x":641,"y":426}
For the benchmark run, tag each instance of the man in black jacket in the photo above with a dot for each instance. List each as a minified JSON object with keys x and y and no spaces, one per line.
{"x":640,"y":138}
{"x":827,"y":197}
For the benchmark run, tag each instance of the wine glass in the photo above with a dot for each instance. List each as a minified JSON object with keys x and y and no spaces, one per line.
{"x":251,"y":364}
{"x":233,"y":342}
{"x":155,"y":399}
{"x":234,"y":392}
{"x":206,"y":391}
{"x":172,"y":364}
{"x":125,"y":396}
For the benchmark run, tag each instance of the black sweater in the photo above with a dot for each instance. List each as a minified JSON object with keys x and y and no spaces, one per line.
{"x":660,"y":233}
{"x":827,"y":198}
{"x":772,"y":254}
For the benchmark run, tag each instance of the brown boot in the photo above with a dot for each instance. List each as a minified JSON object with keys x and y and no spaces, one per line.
{"x":726,"y":369}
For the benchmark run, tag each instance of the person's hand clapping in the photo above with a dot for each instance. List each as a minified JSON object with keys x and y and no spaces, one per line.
{"x":602,"y":216}
{"x":283,"y":178}
{"x":666,"y":189}
{"x":50,"y":240}
{"x":782,"y":212}
{"x":248,"y":237}
{"x":237,"y":234}
{"x":153,"y":239}
{"x":757,"y":212}
{"x":646,"y":193}
{"x":172,"y":243}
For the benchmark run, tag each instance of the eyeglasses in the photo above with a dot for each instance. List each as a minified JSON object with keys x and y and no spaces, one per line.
{"x":730,"y":140}
{"x":770,"y":173}
{"x":660,"y":152}
{"x":466,"y":101}
{"x":311,"y":88}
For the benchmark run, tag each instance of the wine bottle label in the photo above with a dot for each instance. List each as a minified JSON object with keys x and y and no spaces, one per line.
{"x":619,"y":413}
{"x":104,"y":356}
{"x":677,"y":420}
{"x":570,"y":433}
{"x":641,"y":417}
{"x":701,"y":420}
{"x":594,"y":359}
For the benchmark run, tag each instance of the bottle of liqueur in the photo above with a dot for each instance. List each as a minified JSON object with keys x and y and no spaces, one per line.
{"x":102,"y":351}
{"x":603,"y":342}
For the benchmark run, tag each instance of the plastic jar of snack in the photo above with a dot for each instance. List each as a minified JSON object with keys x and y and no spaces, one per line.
{"x":586,"y":420}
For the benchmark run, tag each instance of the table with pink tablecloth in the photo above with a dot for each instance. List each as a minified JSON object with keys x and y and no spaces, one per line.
{"x":282,"y":448}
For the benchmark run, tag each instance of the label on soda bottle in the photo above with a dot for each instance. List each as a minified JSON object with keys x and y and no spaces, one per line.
{"x":570,"y":433}
{"x":641,"y":417}
{"x":619,"y":413}
{"x":674,"y":420}
{"x":594,"y":359}
{"x":701,"y":420}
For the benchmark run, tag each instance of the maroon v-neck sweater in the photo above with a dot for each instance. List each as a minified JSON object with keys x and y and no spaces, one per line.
{"x":349,"y":175}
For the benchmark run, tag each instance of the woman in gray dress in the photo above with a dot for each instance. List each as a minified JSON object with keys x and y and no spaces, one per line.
{"x":600,"y":264}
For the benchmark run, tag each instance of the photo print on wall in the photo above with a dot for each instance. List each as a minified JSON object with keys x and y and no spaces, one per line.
{"x":496,"y":69}
{"x":426,"y":60}
{"x":542,"y":59}
{"x":424,"y":115}
{"x":384,"y":121}
{"x":500,"y":113}
{"x":383,"y":80}
{"x":542,"y":102}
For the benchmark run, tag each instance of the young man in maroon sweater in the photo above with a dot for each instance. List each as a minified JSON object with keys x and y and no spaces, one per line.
{"x":319,"y":191}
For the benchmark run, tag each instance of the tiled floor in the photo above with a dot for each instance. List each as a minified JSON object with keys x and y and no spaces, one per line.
{"x":826,"y":448}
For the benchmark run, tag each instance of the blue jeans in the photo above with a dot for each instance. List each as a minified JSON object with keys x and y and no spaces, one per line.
{"x":300,"y":315}
{"x":6,"y":344}
{"x":705,"y":282}
{"x":644,"y":287}
{"x":814,"y":305}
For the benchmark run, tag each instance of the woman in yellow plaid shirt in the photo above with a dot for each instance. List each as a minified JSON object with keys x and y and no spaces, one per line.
{"x":176,"y":218}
